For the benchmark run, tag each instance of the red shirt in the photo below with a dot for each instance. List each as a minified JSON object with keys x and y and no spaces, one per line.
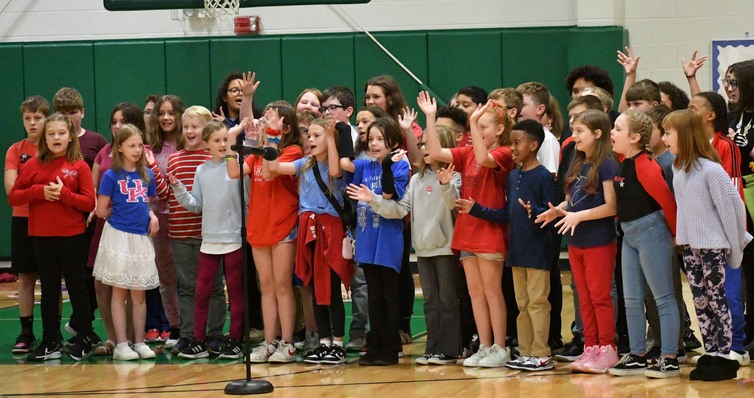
{"x":64,"y":217}
{"x":15,"y":159}
{"x":730,"y":159}
{"x":182,"y":224}
{"x":90,"y":143}
{"x":273,"y":203}
{"x":487,"y":187}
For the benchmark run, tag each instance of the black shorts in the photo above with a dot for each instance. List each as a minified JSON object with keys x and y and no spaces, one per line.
{"x":22,"y":250}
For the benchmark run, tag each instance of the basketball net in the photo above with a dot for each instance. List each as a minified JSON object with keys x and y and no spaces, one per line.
{"x":215,"y":8}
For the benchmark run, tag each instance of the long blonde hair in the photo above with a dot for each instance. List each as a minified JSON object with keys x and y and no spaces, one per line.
{"x":127,"y":131}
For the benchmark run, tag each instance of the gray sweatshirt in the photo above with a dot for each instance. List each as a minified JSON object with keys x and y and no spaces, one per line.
{"x":215,"y":195}
{"x":711,"y":214}
{"x":432,"y":212}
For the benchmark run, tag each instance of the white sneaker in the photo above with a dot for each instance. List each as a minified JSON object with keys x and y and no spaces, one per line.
{"x":262,"y":353}
{"x":285,"y":353}
{"x":496,"y":357}
{"x":478,"y":356}
{"x":144,"y":351}
{"x":124,"y":353}
{"x":743,"y":360}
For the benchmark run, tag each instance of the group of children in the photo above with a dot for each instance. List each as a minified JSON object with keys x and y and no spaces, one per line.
{"x":483,"y":195}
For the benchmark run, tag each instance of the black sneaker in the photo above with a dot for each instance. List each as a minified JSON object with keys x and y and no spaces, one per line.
{"x":46,"y":350}
{"x":690,"y":342}
{"x":571,"y":351}
{"x":442,"y":359}
{"x":231,"y":349}
{"x":664,"y":368}
{"x":195,"y":349}
{"x":25,"y":342}
{"x":182,"y":343}
{"x":317,"y":355}
{"x":653,"y":355}
{"x":81,"y":347}
{"x":556,"y":345}
{"x":629,"y":365}
{"x":334,"y":355}
{"x":214,"y":344}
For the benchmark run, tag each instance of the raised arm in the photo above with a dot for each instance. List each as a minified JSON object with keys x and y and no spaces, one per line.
{"x":333,"y":157}
{"x":274,"y":133}
{"x":248,"y":87}
{"x":231,"y":159}
{"x":629,"y":64}
{"x":406,"y":121}
{"x":690,"y":68}
{"x":481,"y":152}
{"x":428,"y":105}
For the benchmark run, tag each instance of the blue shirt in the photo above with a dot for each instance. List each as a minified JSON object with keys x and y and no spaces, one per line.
{"x":310,"y":195}
{"x":592,"y":233}
{"x":130,"y":200}
{"x":379,"y":240}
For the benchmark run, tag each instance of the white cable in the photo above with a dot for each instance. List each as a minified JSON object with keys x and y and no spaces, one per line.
{"x":385,"y":50}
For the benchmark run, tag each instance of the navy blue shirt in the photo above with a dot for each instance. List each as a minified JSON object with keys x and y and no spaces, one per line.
{"x":530,"y":246}
{"x":598,"y":232}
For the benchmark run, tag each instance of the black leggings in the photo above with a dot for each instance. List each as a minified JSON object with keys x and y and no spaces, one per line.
{"x":331,"y":319}
{"x":63,"y":256}
{"x":384,"y":307}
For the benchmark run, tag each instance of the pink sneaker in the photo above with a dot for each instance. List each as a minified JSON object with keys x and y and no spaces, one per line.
{"x":578,"y":365}
{"x":605,"y":358}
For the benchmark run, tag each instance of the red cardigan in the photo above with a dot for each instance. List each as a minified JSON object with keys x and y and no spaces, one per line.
{"x":64,"y":217}
{"x":651,"y":179}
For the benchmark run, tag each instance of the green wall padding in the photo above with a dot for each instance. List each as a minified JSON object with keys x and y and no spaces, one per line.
{"x":112,"y":71}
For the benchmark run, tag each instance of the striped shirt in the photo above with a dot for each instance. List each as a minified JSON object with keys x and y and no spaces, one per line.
{"x":182,"y":224}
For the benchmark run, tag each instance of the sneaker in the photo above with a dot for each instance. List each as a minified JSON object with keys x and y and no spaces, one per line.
{"x":496,"y":357}
{"x":105,"y":349}
{"x":571,"y":351}
{"x":262,"y":353}
{"x":46,"y":350}
{"x":405,"y":337}
{"x":124,"y":353}
{"x":653,"y":355}
{"x":213,"y":344}
{"x":335,"y":355}
{"x":517,"y":363}
{"x":605,"y":358}
{"x":424,"y":359}
{"x":442,"y":359}
{"x":164,"y":335}
{"x":578,"y":364}
{"x":629,"y":365}
{"x":152,"y":336}
{"x":182,"y":343}
{"x":25,"y":342}
{"x":537,"y":364}
{"x":556,"y":345}
{"x":196,"y":349}
{"x":742,"y":357}
{"x":316,"y":355}
{"x":231,"y":349}
{"x":256,"y":335}
{"x":80,"y":348}
{"x":663,"y":369}
{"x":144,"y":351}
{"x":356,"y":343}
{"x":690,"y":342}
{"x":478,"y":356}
{"x":172,"y":340}
{"x":285,"y":353}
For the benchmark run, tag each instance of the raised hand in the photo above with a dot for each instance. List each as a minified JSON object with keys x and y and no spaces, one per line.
{"x":249,"y":86}
{"x":479,"y":111}
{"x":406,"y":120}
{"x":628,"y":61}
{"x":273,"y":120}
{"x":464,"y":205}
{"x":397,"y":155}
{"x":427,"y":104}
{"x":219,"y":118}
{"x":172,"y":179}
{"x":526,"y":206}
{"x":330,"y":128}
{"x":445,"y":174}
{"x":149,"y":156}
{"x":690,"y":68}
{"x":234,"y":131}
{"x":360,"y":192}
{"x":549,"y":215}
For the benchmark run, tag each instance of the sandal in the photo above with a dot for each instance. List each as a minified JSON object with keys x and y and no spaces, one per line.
{"x":105,"y":349}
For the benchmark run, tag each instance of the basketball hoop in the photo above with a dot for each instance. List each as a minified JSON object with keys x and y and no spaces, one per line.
{"x":215,"y":8}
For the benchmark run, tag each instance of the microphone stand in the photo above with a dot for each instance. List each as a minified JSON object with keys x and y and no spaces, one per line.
{"x":248,"y":386}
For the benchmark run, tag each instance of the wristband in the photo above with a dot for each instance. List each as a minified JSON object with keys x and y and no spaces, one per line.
{"x":273,"y":140}
{"x":270,"y":131}
{"x":229,"y":157}
{"x":689,"y":77}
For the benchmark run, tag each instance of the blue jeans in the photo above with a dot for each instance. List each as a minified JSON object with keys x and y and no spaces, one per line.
{"x":733,"y":278}
{"x":647,"y":257}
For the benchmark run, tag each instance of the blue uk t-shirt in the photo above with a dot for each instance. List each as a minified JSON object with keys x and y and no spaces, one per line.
{"x":598,"y":232}
{"x":379,"y":240}
{"x":130,"y":200}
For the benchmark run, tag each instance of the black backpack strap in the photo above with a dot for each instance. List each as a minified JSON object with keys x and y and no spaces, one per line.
{"x":326,"y":191}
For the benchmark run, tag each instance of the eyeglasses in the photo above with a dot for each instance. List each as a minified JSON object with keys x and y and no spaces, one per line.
{"x":304,"y":130}
{"x":732,"y":83}
{"x":234,"y":90}
{"x":330,"y":108}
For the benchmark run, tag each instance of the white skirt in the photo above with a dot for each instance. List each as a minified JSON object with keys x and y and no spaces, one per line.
{"x":126,"y":260}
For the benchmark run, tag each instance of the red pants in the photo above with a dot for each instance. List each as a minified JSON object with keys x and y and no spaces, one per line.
{"x":592,"y":269}
{"x":208,"y":267}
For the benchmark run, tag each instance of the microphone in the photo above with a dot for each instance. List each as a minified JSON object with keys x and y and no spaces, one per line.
{"x":268,"y":153}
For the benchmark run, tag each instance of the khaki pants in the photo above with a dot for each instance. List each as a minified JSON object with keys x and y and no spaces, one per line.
{"x":532,"y":288}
